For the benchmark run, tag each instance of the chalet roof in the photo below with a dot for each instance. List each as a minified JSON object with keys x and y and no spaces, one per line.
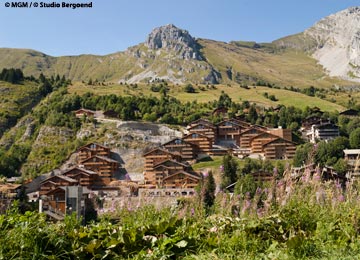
{"x":262,"y":134}
{"x":80,"y":169}
{"x":172,"y":161}
{"x":192,"y":175}
{"x":252,"y":128}
{"x":350,"y":112}
{"x":84,"y":110}
{"x":68,"y":179}
{"x":204,"y":124}
{"x":85,"y":190}
{"x":8,"y":187}
{"x":278,"y":139}
{"x":352,"y":151}
{"x":232,"y":121}
{"x":176,"y":138}
{"x":326,"y":125}
{"x":102,"y":158}
{"x":205,"y":121}
{"x":220,"y":109}
{"x":196,"y":134}
{"x":162,"y":150}
{"x":88,"y":146}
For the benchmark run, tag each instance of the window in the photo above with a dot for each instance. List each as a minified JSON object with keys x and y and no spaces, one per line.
{"x":194,"y":135}
{"x":178,"y":141}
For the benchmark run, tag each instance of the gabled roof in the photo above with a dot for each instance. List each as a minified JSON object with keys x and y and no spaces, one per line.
{"x":172,"y":161}
{"x":177,"y":138}
{"x":88,"y":146}
{"x":192,"y":175}
{"x":264,"y":134}
{"x":279,"y":139}
{"x":199,"y":124}
{"x":88,"y":172}
{"x":351,"y":112}
{"x":201,"y":120}
{"x":65,"y":178}
{"x":196,"y":134}
{"x":253,"y":128}
{"x":326,"y":125}
{"x":102,"y":158}
{"x":85,"y":110}
{"x":162,"y":150}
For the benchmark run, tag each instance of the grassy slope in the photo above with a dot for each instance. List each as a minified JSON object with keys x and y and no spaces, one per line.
{"x":286,"y":67}
{"x":16,"y":99}
{"x":237,"y":94}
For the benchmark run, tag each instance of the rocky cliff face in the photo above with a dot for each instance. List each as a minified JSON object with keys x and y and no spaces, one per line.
{"x":338,"y":43}
{"x":171,"y":38}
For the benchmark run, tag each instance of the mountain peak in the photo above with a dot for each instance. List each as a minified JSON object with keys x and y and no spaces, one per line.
{"x":338,"y":43}
{"x":170,"y":37}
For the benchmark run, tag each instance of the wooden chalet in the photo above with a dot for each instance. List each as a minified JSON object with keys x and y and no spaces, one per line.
{"x":309,"y":121}
{"x":180,"y":146}
{"x":229,"y":131}
{"x":103,"y":166}
{"x":200,"y":121}
{"x":65,"y":200}
{"x":257,"y":142}
{"x":54,"y":182}
{"x":165,"y":169}
{"x":350,"y":113}
{"x":153,"y":158}
{"x":279,"y":148}
{"x":203,"y":143}
{"x":84,"y":112}
{"x":220,"y":111}
{"x":8,"y":193}
{"x":208,"y":130}
{"x":246,"y":136}
{"x":84,"y":177}
{"x":281,"y":132}
{"x":181,"y":179}
{"x":91,"y":150}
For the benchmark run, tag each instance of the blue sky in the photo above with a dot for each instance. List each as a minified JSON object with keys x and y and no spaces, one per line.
{"x":114,"y":25}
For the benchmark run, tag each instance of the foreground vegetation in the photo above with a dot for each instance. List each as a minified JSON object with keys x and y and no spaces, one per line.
{"x":287,"y":220}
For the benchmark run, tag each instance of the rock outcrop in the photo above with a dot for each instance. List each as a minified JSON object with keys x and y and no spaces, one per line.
{"x":171,"y":38}
{"x":338,"y":43}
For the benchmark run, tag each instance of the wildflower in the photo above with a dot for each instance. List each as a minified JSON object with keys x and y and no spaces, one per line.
{"x":341,"y":198}
{"x":192,"y":211}
{"x":213,"y":229}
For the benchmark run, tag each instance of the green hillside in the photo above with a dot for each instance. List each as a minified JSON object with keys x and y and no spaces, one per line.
{"x":237,"y":94}
{"x":235,"y":62}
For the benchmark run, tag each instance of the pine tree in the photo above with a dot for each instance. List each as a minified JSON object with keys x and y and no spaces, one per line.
{"x":229,"y":171}
{"x":209,"y":191}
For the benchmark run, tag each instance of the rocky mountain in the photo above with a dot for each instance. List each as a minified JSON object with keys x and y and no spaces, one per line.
{"x":326,"y":51}
{"x":334,"y":41}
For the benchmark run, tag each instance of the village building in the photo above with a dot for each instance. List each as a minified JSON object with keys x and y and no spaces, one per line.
{"x":203,"y":143}
{"x":351,"y":113}
{"x":152,"y":159}
{"x":326,"y":132}
{"x":352,"y":158}
{"x":8,"y":193}
{"x":205,"y":128}
{"x":91,"y":150}
{"x":279,"y":149}
{"x":228,"y":132}
{"x":84,"y":112}
{"x":185,"y":149}
{"x":105,"y":167}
